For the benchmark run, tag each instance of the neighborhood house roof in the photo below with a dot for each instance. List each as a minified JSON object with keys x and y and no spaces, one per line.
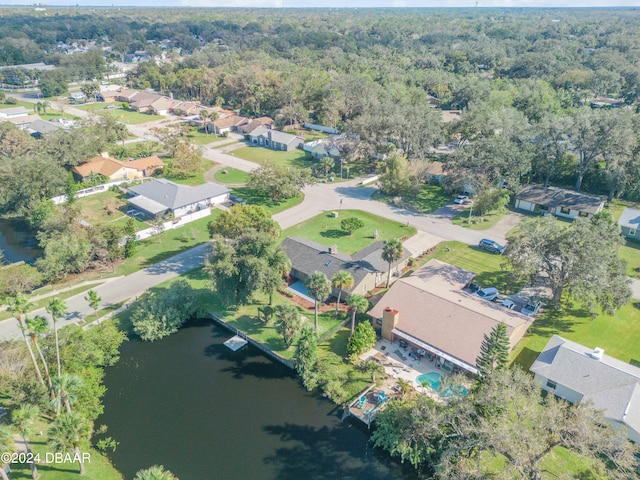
{"x":612,"y":385}
{"x":230,"y":121}
{"x":255,"y":123}
{"x":435,"y":310}
{"x":145,"y":163}
{"x":274,"y":135}
{"x":173,"y":196}
{"x":103,"y":165}
{"x":630,"y":218}
{"x":557,"y":197}
{"x":13,"y":111}
{"x":42,"y":127}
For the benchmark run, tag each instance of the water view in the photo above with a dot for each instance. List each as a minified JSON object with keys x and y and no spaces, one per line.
{"x":16,"y":242}
{"x":204,"y":412}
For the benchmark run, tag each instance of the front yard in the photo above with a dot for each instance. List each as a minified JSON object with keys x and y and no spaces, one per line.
{"x":264,"y":156}
{"x":478,"y":223}
{"x":129,"y":117}
{"x":427,"y":199}
{"x":254,"y":196}
{"x":326,"y":230}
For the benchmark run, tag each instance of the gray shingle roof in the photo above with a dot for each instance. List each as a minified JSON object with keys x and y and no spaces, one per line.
{"x":557,"y":197}
{"x":276,"y":135}
{"x":371,"y":257}
{"x":612,"y":385}
{"x":630,"y":218}
{"x":175,"y":196}
{"x":42,"y":126}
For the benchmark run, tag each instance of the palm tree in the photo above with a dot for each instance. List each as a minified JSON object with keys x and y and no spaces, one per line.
{"x":6,"y":445}
{"x":318,"y":286}
{"x":67,"y":432}
{"x":327,"y":163}
{"x":66,"y":387}
{"x":204,"y":116}
{"x":46,"y":104}
{"x":392,"y":251}
{"x":93,"y":299}
{"x":19,"y":306}
{"x":57,"y":308}
{"x":23,"y":418}
{"x":157,"y":472}
{"x":342,"y":280}
{"x":37,"y":326}
{"x":357,"y":303}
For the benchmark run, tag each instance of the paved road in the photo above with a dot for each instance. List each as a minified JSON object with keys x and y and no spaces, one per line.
{"x":120,"y":289}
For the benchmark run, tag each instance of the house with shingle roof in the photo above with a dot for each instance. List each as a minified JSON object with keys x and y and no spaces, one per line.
{"x":433,"y":310}
{"x":229,"y":123}
{"x":275,"y":139}
{"x":255,"y":123}
{"x":629,"y":223}
{"x":580,"y":374}
{"x":13,"y":112}
{"x":39,"y":127}
{"x":366,"y":266}
{"x":160,"y":197}
{"x":558,"y":201}
{"x":116,"y":170}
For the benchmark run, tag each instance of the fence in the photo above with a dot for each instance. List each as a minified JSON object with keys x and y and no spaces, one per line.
{"x":171,"y":224}
{"x":60,"y":199}
{"x":321,"y":128}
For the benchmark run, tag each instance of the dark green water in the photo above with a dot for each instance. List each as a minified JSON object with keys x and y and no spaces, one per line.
{"x":204,"y":412}
{"x":16,"y":242}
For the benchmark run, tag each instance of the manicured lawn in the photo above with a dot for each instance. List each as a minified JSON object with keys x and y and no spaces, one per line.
{"x":107,"y":208}
{"x":125,"y":116}
{"x":427,"y":199}
{"x":478,"y":223}
{"x":311,"y":135}
{"x":199,"y":137}
{"x":631,"y":253}
{"x":326,"y":230}
{"x":232,"y":175}
{"x":50,"y":115}
{"x":256,"y":197}
{"x":264,"y":156}
{"x":196,"y":179}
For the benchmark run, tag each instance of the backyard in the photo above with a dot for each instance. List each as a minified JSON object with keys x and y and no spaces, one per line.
{"x":326,"y":230}
{"x":107,"y":208}
{"x":196,"y":179}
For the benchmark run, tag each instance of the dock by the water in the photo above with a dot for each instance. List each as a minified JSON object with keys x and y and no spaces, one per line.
{"x":235,"y":343}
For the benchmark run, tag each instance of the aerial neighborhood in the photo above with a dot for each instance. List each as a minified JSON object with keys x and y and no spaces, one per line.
{"x":289,"y":241}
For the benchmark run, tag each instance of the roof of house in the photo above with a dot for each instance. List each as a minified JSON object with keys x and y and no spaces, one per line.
{"x":371,"y":257}
{"x":630,"y":218}
{"x":163,"y":103}
{"x":558,"y":197}
{"x":145,"y":163}
{"x":435,"y":169}
{"x":230,"y":121}
{"x":14,"y":111}
{"x":456,"y":321}
{"x":449,"y":116}
{"x":255,"y":123}
{"x":276,"y":135}
{"x":103,"y":165}
{"x":173,"y":196}
{"x":612,"y":385}
{"x":145,"y":99}
{"x":42,"y":126}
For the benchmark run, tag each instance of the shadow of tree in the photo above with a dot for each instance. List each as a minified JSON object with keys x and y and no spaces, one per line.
{"x":334,"y":233}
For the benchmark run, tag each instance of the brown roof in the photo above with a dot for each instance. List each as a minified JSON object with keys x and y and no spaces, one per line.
{"x":434,"y":308}
{"x":451,"y":115}
{"x":152,"y":162}
{"x":106,"y":166}
{"x":163,"y":103}
{"x":553,"y":197}
{"x":230,"y":121}
{"x":435,"y":169}
{"x":255,"y":123}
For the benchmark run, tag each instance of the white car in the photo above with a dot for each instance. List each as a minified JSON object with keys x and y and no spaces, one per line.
{"x":508,"y":304}
{"x":461,"y":199}
{"x":489,"y":293}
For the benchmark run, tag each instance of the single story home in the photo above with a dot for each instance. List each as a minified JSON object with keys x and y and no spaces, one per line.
{"x":577,"y":374}
{"x":274,"y":139}
{"x":38,"y":128}
{"x":255,"y":123}
{"x":142,"y":101}
{"x":229,"y":123}
{"x":13,"y":112}
{"x":325,"y":147}
{"x":558,"y":201}
{"x":435,"y":173}
{"x":606,"y":102}
{"x":160,"y":197}
{"x":629,"y":223}
{"x":77,"y":97}
{"x":366,"y":266}
{"x":116,"y":170}
{"x":162,"y":105}
{"x":433,"y":310}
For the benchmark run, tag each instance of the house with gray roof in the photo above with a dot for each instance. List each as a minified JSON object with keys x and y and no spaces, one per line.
{"x":38,"y":128}
{"x":629,"y":223}
{"x":275,"y":139}
{"x":366,"y":266}
{"x":13,"y":112}
{"x":160,"y":197}
{"x":558,"y":202}
{"x":579,"y":374}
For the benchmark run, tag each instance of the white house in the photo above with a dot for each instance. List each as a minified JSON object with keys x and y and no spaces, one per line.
{"x":629,"y":223}
{"x":13,"y":112}
{"x":160,"y":197}
{"x":577,"y":374}
{"x":559,"y":202}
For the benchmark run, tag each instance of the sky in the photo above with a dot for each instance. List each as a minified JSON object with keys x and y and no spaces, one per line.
{"x":334,"y":3}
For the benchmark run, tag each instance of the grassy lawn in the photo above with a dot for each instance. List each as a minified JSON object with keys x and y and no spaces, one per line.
{"x":50,"y":115}
{"x":167,"y":244}
{"x":264,"y":156}
{"x":427,"y":199}
{"x":199,"y":137}
{"x":326,"y":230}
{"x":196,"y":179}
{"x":232,"y":175}
{"x":125,"y":116}
{"x":107,"y":208}
{"x":256,"y":197}
{"x":631,"y":253}
{"x":478,"y":223}
{"x":311,"y":135}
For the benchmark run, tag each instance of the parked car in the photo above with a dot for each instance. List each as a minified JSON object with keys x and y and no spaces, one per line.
{"x":508,"y":304}
{"x":531,"y":308}
{"x":491,"y":246}
{"x":489,"y":293}
{"x":462,"y":199}
{"x":235,"y":199}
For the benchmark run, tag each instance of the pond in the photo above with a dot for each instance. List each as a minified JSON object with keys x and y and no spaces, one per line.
{"x":17,"y":242}
{"x":204,"y":412}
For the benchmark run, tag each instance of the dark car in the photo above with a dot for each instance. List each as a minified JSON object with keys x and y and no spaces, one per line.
{"x":491,"y":246}
{"x":235,"y":199}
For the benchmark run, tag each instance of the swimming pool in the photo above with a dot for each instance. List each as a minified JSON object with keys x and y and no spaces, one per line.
{"x":431,"y":380}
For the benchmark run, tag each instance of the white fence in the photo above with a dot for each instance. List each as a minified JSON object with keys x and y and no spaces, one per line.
{"x":171,"y":224}
{"x":93,"y":190}
{"x":321,"y":128}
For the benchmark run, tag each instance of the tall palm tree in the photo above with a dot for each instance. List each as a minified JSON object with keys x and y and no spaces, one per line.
{"x":19,"y":306}
{"x":23,"y":418}
{"x":357,"y":303}
{"x":392,"y":251}
{"x":318,"y":286}
{"x":37,"y":326}
{"x":57,"y":308}
{"x":204,"y":116}
{"x":93,"y":299}
{"x":341,"y":280}
{"x":46,"y":104}
{"x":157,"y":472}
{"x":6,"y":445}
{"x":65,"y":387}
{"x":68,"y":432}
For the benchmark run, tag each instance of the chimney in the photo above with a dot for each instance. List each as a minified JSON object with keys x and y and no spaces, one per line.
{"x":104,"y":154}
{"x":269,"y":134}
{"x":390,"y":320}
{"x":597,"y":353}
{"x":171,"y":95}
{"x":333,"y":249}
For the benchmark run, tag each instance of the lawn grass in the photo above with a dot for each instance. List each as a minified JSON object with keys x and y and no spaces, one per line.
{"x":326,"y":230}
{"x":232,"y":176}
{"x":50,"y":115}
{"x":196,"y":179}
{"x":96,"y":210}
{"x":427,"y":199}
{"x":125,"y":116}
{"x":199,"y":137}
{"x":255,"y":196}
{"x":478,"y":223}
{"x":263,"y":156}
{"x":631,"y":253}
{"x":311,"y":135}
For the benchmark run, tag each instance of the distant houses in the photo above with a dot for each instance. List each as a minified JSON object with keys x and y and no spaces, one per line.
{"x":558,"y":201}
